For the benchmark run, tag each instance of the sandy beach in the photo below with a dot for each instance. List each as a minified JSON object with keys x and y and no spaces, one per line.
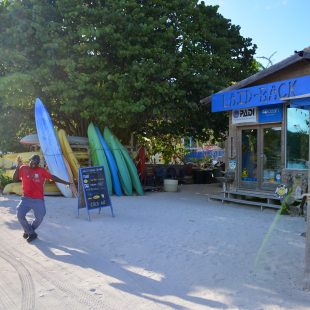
{"x":160,"y":251}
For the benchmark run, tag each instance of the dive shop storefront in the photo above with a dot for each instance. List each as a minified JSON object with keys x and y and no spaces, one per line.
{"x":268,"y":142}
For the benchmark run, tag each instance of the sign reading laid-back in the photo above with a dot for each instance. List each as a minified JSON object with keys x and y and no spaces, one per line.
{"x":261,"y":95}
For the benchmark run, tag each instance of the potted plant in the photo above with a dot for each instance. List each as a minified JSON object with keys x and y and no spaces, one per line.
{"x":171,"y":182}
{"x":171,"y":153}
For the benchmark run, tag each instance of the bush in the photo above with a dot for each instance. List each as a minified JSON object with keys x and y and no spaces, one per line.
{"x":4,"y":180}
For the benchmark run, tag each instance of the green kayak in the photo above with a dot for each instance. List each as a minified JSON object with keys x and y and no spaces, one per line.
{"x":124,"y":175}
{"x":130,"y":165}
{"x":97,"y":154}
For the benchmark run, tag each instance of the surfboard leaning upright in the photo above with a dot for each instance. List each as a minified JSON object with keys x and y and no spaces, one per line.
{"x":50,"y":147}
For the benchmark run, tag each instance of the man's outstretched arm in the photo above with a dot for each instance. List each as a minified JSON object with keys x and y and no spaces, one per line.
{"x":16,"y":173}
{"x":56,"y":179}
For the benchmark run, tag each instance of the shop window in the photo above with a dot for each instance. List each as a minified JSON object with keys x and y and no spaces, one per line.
{"x":249,"y":155}
{"x":272,"y":154}
{"x":297,"y":138}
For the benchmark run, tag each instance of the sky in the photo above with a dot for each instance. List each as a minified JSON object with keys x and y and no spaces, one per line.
{"x":277,"y":27}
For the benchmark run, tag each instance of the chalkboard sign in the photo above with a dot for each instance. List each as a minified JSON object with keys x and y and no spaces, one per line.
{"x":92,"y":189}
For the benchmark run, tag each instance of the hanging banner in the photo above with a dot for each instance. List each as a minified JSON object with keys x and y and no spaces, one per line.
{"x":244,"y":116}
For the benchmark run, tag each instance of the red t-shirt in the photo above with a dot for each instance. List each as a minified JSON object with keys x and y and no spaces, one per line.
{"x":33,"y":181}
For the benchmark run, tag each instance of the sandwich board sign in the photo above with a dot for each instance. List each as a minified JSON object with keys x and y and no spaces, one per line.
{"x":92,"y":190}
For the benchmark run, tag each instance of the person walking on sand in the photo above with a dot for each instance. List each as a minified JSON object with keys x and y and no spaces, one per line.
{"x":33,"y":178}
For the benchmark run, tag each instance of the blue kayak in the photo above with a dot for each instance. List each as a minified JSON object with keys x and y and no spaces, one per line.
{"x":112,"y":164}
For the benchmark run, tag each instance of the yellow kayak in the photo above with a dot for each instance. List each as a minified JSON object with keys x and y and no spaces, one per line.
{"x":81,"y":154}
{"x":9,"y":173}
{"x":50,"y":189}
{"x":68,"y":153}
{"x":8,"y":161}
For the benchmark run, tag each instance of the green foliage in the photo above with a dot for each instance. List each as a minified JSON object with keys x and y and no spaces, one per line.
{"x":4,"y":180}
{"x":204,"y":162}
{"x":169,"y":146}
{"x":14,"y":123}
{"x":142,"y":66}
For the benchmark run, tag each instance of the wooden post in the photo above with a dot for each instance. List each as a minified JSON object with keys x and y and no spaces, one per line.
{"x":307,"y":251}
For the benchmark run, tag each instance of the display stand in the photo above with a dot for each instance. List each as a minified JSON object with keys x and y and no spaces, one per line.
{"x":92,"y":190}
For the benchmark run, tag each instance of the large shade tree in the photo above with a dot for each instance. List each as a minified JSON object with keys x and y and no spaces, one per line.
{"x":142,"y":66}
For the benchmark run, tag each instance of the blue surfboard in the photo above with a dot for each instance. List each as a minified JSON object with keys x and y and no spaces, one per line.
{"x":50,"y":147}
{"x":112,"y":164}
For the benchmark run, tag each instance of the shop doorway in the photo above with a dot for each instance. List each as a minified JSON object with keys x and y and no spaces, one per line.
{"x":260,"y":157}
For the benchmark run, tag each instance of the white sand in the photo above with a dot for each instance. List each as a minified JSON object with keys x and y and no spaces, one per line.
{"x":161,"y":251}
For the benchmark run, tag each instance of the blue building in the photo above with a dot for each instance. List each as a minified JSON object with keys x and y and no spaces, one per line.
{"x":268,"y":141}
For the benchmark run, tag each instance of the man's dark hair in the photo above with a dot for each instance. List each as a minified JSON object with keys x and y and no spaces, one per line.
{"x":35,"y":158}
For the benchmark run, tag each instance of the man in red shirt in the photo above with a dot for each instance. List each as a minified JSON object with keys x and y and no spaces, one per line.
{"x":33,"y":178}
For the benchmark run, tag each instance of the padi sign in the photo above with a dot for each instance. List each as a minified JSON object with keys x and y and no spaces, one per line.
{"x":244,"y":116}
{"x":260,"y":95}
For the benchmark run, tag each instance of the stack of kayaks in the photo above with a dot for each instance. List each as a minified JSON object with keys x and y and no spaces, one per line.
{"x":62,"y":161}
{"x":127,"y":169}
{"x":107,"y":151}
